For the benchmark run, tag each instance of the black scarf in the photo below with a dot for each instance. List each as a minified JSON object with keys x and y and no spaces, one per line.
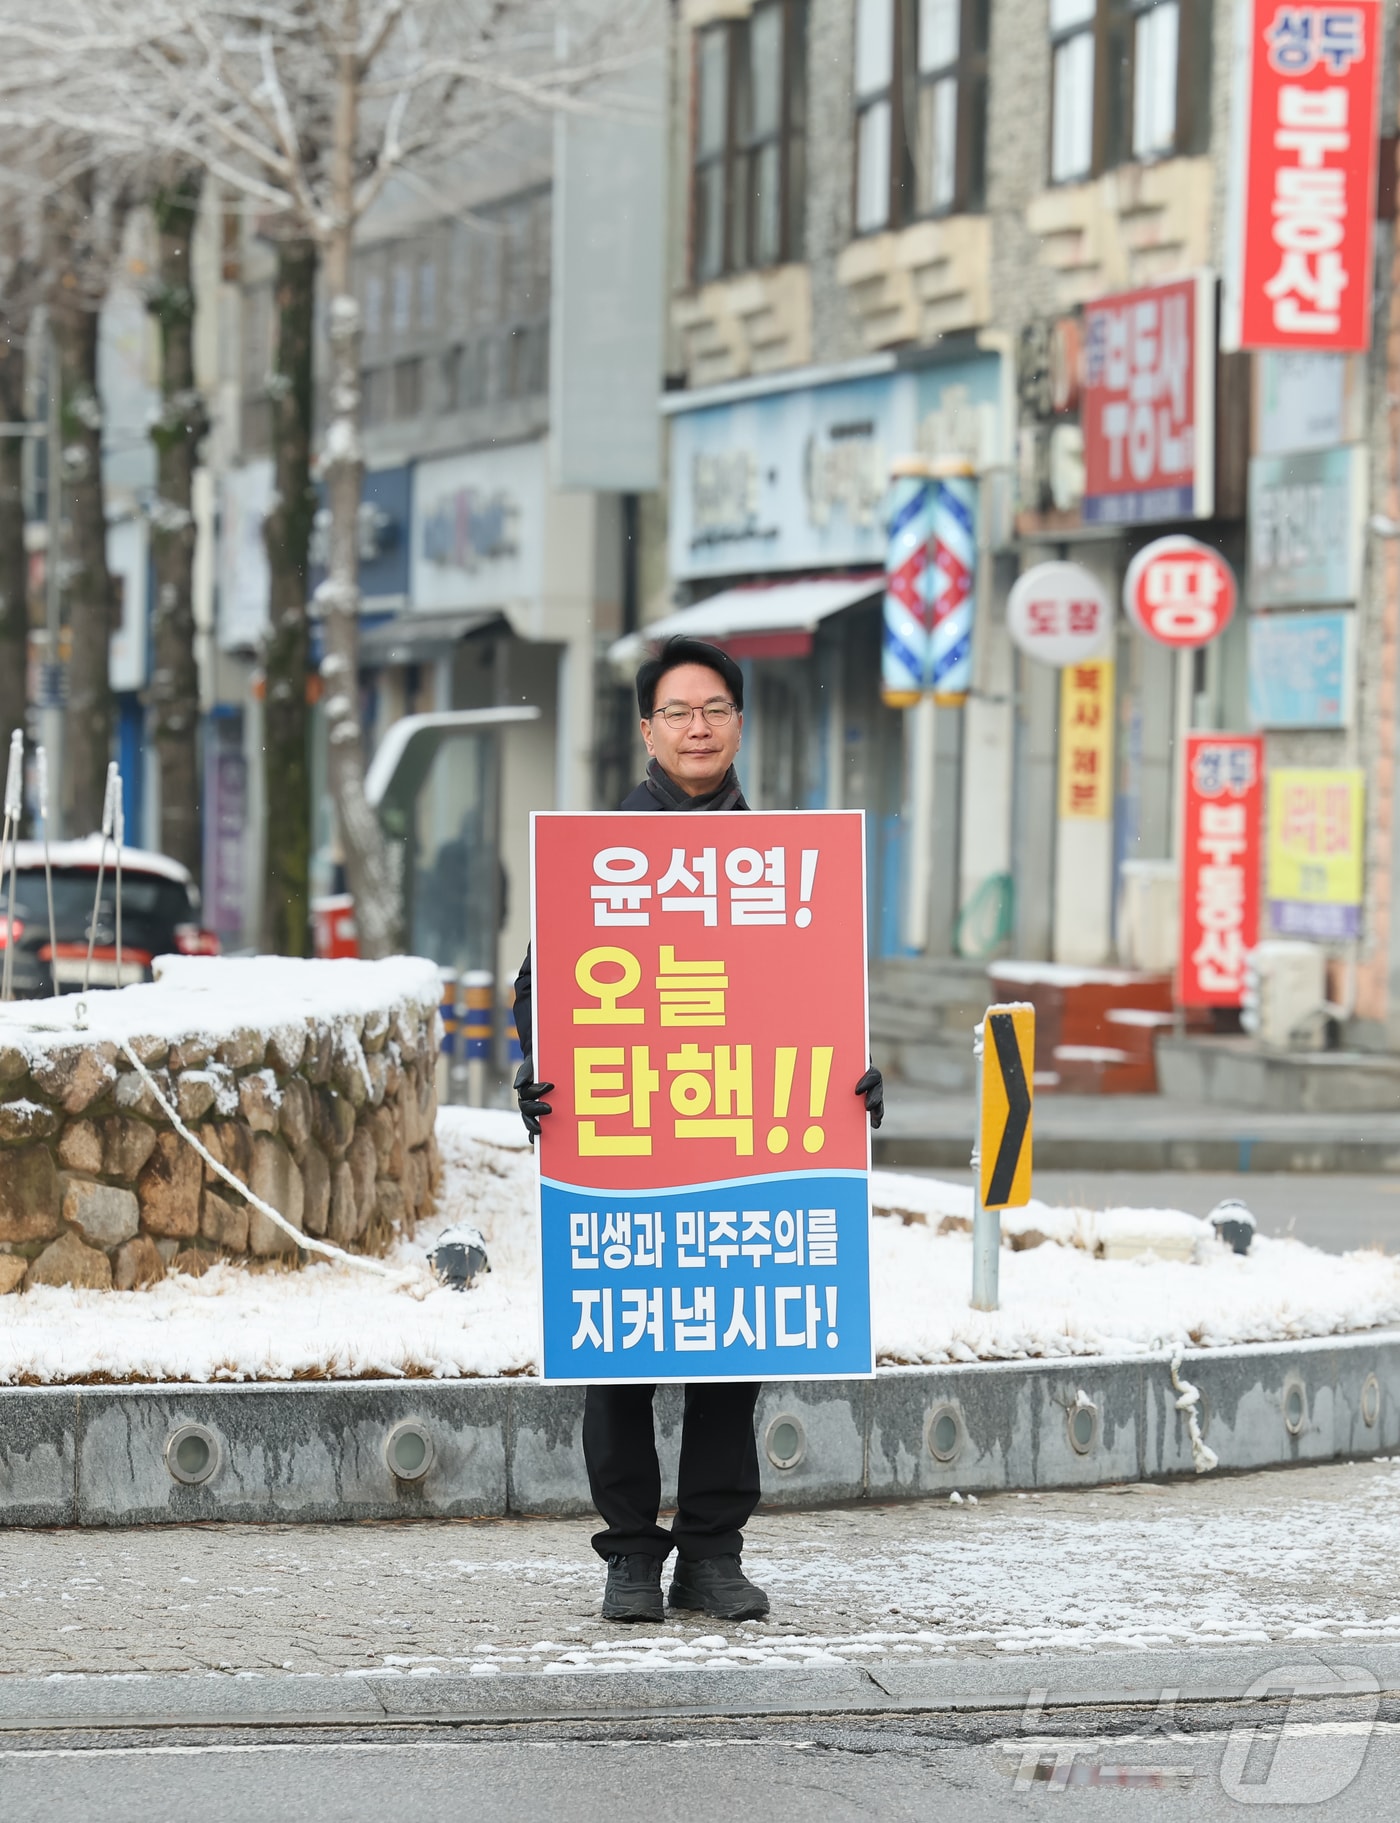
{"x":727,"y":795}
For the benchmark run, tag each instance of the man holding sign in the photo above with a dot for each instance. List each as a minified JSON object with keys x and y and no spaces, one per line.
{"x":698,"y":994}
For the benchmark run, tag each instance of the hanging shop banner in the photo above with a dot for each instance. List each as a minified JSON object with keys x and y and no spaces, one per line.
{"x":1060,"y":614}
{"x":1086,"y":741}
{"x":700,"y":1007}
{"x":1306,"y":527}
{"x":1307,"y":401}
{"x":1219,"y":866}
{"x":1148,"y":404}
{"x":1180,"y":592}
{"x":1301,"y":670}
{"x":1303,"y":173}
{"x":1317,"y":819}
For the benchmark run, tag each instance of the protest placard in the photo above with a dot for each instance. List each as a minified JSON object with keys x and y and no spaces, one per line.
{"x":700,"y":1006}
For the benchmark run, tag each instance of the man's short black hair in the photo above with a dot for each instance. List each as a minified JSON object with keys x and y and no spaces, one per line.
{"x":679,"y":650}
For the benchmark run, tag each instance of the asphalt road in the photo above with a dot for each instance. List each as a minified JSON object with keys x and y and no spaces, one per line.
{"x":1342,"y":1760}
{"x":1337,"y":1213}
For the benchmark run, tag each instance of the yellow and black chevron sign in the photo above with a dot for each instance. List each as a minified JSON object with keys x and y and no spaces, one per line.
{"x":1008,"y":1070}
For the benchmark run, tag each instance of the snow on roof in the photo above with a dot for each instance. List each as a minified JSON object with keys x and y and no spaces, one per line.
{"x":1064,"y":974}
{"x":215,"y":996}
{"x":87,"y":852}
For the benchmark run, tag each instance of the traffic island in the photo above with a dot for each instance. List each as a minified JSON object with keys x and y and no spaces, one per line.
{"x":1130,"y":1344}
{"x":147,"y":1455}
{"x":311,"y":1083}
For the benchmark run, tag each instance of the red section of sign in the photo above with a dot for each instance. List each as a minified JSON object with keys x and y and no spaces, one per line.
{"x":700,"y":995}
{"x":1309,"y":181}
{"x":1180,"y":592}
{"x":1220,"y":864}
{"x":1147,"y":454}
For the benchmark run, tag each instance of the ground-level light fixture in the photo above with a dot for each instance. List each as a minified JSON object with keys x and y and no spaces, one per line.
{"x":785,"y":1441}
{"x":944,"y":1433}
{"x":193,"y":1454}
{"x":408,"y":1450}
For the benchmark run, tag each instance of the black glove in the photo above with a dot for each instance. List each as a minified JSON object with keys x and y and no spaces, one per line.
{"x":872,"y":1087}
{"x":529,"y":1094}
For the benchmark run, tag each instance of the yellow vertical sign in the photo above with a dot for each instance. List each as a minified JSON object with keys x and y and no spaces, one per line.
{"x":1086,"y":741}
{"x":1008,"y":1073}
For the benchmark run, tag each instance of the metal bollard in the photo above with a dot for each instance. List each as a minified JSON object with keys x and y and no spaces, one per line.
{"x":478,"y":996}
{"x":447,"y":1050}
{"x":986,"y":1223}
{"x":1004,"y":1047}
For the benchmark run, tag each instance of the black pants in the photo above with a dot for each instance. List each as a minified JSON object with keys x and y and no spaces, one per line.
{"x":718,"y":1484}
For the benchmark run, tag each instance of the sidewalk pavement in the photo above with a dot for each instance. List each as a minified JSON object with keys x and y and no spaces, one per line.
{"x":1141,"y":1133}
{"x":1200,"y":1585}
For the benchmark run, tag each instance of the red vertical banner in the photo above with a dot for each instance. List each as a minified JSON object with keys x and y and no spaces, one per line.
{"x":1220,"y":866}
{"x":700,"y":1007}
{"x":1303,"y":176}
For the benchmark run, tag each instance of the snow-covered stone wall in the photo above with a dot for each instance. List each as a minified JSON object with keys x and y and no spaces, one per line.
{"x":312,"y":1082}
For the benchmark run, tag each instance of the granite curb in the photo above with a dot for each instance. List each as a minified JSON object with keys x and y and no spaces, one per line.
{"x":313,"y":1452}
{"x":1026,"y":1687}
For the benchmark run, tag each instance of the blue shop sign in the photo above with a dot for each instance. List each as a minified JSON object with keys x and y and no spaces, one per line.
{"x":798,"y":479}
{"x":1300,"y":670}
{"x":386,"y":507}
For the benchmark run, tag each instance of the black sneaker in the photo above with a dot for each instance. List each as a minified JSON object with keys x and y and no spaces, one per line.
{"x":717,"y":1586}
{"x":634,"y":1588}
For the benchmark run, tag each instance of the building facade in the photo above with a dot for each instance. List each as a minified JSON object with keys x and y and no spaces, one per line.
{"x":487,"y":582}
{"x":986,"y":233}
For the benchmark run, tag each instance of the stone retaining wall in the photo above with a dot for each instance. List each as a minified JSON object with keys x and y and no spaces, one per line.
{"x":327,"y":1116}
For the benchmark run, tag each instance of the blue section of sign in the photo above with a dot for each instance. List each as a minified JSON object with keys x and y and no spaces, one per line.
{"x":1323,"y":923}
{"x":1140,"y":509}
{"x":1299,"y":670}
{"x":753,"y":1279}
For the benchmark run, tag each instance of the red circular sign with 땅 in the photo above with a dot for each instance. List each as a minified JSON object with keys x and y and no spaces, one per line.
{"x":1180,"y":592}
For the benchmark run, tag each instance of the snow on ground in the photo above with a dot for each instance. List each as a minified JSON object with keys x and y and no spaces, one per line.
{"x":335,"y":1321}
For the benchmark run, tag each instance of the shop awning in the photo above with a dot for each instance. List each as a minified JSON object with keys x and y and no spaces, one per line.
{"x":416,"y":639}
{"x":774,"y":620}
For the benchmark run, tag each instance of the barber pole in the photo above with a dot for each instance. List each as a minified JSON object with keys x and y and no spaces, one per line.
{"x":954,"y":570}
{"x":904,"y":654}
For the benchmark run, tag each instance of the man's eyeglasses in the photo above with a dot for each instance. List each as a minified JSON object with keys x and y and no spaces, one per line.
{"x":717,"y":713}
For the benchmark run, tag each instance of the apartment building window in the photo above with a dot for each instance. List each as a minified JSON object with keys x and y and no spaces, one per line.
{"x":1130,"y":80}
{"x":408,"y":387}
{"x":750,"y":140}
{"x":1072,"y":61}
{"x":921,"y":109}
{"x":875,"y":113}
{"x":403,"y":300}
{"x":1156,"y":40}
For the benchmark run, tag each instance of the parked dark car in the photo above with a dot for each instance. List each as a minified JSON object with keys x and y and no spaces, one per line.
{"x":160,"y":916}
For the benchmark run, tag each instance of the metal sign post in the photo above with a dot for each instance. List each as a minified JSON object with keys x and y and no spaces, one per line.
{"x":1004,"y":1047}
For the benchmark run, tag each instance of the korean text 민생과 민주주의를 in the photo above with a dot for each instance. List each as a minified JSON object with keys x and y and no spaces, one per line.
{"x":700,"y":1005}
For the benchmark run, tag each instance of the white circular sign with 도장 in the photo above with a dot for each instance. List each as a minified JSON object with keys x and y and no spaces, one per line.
{"x":1061,"y":614}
